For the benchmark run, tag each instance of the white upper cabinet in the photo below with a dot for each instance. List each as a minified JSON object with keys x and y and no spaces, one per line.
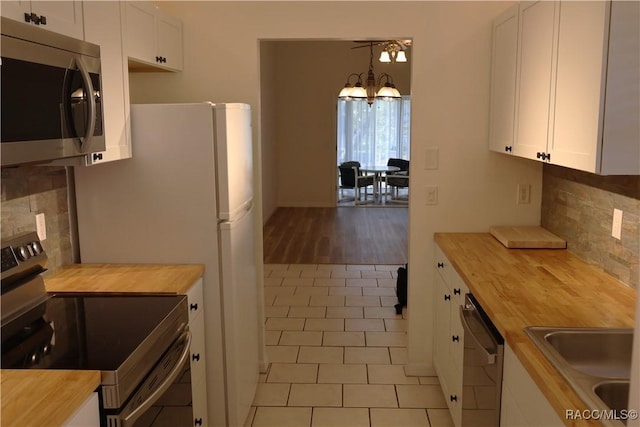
{"x":535,"y":62}
{"x":577,"y":91}
{"x":63,"y":17}
{"x":153,"y":38}
{"x":597,"y":115}
{"x":103,"y":27}
{"x":503,"y":80}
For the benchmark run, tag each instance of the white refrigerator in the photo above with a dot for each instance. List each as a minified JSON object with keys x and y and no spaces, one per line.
{"x":186,"y":196}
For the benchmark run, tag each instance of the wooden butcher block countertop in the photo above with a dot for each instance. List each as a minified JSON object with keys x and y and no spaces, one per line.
{"x":36,"y":398}
{"x":125,"y":278}
{"x":539,"y":287}
{"x":49,"y":397}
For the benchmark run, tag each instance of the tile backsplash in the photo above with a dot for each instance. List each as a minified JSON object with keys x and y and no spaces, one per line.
{"x":578,"y":207}
{"x":28,"y":191}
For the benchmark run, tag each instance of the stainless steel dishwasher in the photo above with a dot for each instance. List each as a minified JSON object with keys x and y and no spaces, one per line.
{"x":482,"y":367}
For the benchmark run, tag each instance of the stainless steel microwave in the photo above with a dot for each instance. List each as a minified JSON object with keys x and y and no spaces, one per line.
{"x":51,"y":96}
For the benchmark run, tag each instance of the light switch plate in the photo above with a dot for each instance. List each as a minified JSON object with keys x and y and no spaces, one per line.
{"x":431,"y":194}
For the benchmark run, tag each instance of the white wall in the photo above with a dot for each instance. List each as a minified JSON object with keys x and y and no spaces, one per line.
{"x":450,"y":98}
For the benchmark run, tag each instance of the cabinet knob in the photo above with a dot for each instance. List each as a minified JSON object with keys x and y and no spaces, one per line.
{"x":453,"y":398}
{"x":447,"y":297}
{"x":163,"y":59}
{"x":456,"y":291}
{"x":97,"y":156}
{"x":195,"y":357}
{"x":441,"y":265}
{"x":508,"y":148}
{"x":32,"y":17}
{"x":157,"y":59}
{"x":197,"y":422}
{"x":455,"y":338}
{"x":193,"y":307}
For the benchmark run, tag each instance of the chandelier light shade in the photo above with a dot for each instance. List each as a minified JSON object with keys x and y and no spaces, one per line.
{"x":393,"y":51}
{"x":373,"y":88}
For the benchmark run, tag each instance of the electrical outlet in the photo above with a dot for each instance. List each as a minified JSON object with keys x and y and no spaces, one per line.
{"x":41,"y":226}
{"x":616,"y":228}
{"x":431,"y":194}
{"x":524,"y":194}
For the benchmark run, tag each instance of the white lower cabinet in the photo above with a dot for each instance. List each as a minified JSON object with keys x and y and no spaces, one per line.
{"x":449,"y":336}
{"x":523,"y":404}
{"x":197,"y":361}
{"x":88,"y":415}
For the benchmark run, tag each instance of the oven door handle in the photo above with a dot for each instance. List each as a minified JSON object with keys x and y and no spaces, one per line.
{"x":169,"y":379}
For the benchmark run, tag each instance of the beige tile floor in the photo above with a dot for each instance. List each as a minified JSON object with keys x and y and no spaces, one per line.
{"x":337,"y":351}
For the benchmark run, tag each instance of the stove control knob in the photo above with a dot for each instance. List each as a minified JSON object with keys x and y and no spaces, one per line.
{"x":36,"y":247}
{"x":23,"y":253}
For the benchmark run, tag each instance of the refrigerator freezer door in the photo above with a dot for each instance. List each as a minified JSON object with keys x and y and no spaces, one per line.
{"x":240,"y":306}
{"x":234,"y":157}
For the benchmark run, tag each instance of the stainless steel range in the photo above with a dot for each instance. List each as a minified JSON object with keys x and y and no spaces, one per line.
{"x":140,"y":343}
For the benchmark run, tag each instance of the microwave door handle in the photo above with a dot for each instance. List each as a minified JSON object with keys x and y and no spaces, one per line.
{"x":158,"y":392}
{"x":86,"y":78}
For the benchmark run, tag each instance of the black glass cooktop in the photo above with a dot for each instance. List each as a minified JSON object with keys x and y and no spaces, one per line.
{"x":95,"y":332}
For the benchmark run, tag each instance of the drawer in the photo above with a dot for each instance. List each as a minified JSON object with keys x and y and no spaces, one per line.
{"x":195,"y":298}
{"x":443,"y":266}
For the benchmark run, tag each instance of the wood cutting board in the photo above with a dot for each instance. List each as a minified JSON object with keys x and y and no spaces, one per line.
{"x":527,"y":237}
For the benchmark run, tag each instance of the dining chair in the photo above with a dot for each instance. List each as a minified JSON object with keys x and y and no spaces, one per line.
{"x":396,"y":180}
{"x":352,"y":178}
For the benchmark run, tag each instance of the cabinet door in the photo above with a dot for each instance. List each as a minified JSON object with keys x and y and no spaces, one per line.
{"x":88,"y":415}
{"x":140,"y":31}
{"x":442,"y":328}
{"x":169,"y":40}
{"x":15,"y":9}
{"x":103,"y":27}
{"x":534,"y":76}
{"x":580,"y":84}
{"x":525,"y":403}
{"x":63,"y":17}
{"x":620,"y":148}
{"x":503,"y":81}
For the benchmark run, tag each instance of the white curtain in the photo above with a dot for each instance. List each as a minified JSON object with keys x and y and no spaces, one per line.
{"x":372,"y":135}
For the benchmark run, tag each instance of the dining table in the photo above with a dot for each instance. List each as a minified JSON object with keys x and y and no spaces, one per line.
{"x":377,"y":171}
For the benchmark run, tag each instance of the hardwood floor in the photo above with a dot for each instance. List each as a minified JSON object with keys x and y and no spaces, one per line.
{"x":336,"y":236}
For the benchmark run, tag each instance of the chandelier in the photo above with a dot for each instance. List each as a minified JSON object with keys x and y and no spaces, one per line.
{"x":373,"y":88}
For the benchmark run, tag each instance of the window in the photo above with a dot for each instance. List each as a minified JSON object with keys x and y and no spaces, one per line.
{"x":372,"y":135}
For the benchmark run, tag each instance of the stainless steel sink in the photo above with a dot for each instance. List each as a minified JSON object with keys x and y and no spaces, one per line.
{"x":595,"y":361}
{"x":615,"y":394}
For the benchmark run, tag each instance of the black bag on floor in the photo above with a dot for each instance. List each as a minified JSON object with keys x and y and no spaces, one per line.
{"x":401,"y":288}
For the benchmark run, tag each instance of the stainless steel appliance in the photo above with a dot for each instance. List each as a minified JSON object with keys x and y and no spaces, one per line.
{"x":51,"y":96}
{"x":482,"y":367}
{"x":140,"y":343}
